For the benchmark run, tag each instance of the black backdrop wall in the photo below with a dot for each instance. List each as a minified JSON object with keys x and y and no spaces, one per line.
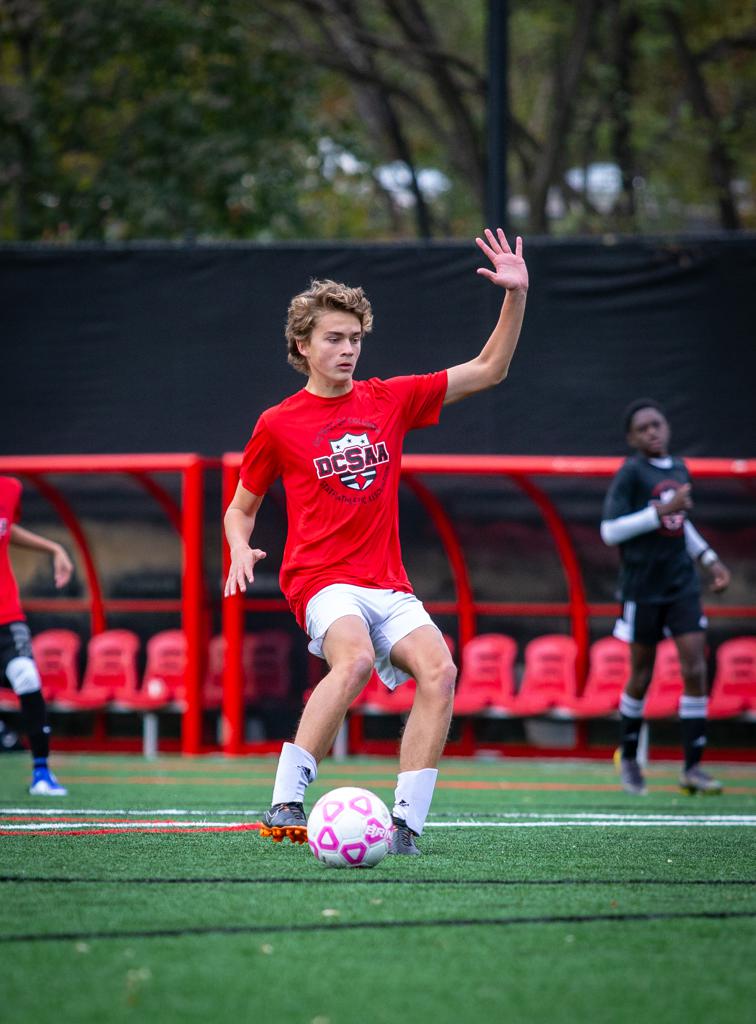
{"x":159,"y":348}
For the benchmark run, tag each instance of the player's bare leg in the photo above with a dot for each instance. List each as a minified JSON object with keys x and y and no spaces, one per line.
{"x":425,"y":656}
{"x":694,"y":705}
{"x":350,"y":655}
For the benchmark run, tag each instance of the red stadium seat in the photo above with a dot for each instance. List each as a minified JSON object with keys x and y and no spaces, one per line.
{"x":378,"y":699}
{"x":609,"y":670}
{"x":8,"y":700}
{"x":111,"y":668}
{"x":163,"y":685}
{"x":666,"y":687}
{"x":212,"y":690}
{"x":549,"y":680}
{"x":56,"y":652}
{"x":267,"y":665}
{"x":734,"y":688}
{"x":164,"y":680}
{"x":486,"y":680}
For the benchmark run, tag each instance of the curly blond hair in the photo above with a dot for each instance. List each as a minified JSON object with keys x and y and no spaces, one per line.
{"x":308,"y":307}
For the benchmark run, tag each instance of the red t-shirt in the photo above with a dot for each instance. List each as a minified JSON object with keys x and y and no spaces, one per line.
{"x":339,"y":459}
{"x":10,"y":513}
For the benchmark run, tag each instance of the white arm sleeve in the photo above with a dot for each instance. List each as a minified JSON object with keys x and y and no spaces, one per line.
{"x":615,"y":531}
{"x":695,"y":545}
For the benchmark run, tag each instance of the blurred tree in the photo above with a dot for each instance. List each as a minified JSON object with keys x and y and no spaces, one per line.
{"x":146,"y":119}
{"x":611,"y":100}
{"x":366,"y":118}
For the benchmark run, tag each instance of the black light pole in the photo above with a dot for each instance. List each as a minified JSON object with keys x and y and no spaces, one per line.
{"x":497,"y":114}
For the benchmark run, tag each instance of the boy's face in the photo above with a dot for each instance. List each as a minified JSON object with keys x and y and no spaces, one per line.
{"x":649,"y":433}
{"x":333,"y":348}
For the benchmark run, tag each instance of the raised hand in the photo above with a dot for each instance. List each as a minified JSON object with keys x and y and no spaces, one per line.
{"x":509,"y":270}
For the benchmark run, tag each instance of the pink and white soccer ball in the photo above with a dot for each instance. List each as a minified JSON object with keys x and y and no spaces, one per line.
{"x":349,"y":828}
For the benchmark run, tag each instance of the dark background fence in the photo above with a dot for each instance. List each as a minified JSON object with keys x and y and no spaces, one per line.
{"x":161,"y":348}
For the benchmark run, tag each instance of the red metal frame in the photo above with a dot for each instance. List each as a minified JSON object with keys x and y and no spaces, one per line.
{"x":188,"y":520}
{"x":519,"y":469}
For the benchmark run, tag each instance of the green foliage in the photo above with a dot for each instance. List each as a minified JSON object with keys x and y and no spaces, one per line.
{"x":124,"y":119}
{"x":146,"y":120}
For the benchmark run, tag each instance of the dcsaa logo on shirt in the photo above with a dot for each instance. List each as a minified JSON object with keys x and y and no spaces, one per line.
{"x":3,"y":526}
{"x":673,"y":523}
{"x":353,"y":460}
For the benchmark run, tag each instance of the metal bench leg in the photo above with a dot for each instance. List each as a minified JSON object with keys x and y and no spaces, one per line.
{"x":341,"y":743}
{"x":150,"y":735}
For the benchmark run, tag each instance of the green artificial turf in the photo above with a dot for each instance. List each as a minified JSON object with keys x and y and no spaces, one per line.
{"x":587,"y":905}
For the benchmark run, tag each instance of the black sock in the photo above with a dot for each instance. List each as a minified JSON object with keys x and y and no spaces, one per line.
{"x":629,"y":735}
{"x":34,"y":723}
{"x":694,"y":740}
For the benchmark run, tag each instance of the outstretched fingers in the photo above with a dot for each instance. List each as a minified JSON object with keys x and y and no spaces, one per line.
{"x":496,"y":244}
{"x":485,"y":248}
{"x":242,"y":572}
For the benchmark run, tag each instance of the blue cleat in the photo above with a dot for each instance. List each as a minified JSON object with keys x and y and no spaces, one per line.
{"x":44,"y":783}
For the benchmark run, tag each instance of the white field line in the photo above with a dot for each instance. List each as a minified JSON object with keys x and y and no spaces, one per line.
{"x":618,"y":822}
{"x":143,"y":812}
{"x":167,"y":812}
{"x":166,"y":818}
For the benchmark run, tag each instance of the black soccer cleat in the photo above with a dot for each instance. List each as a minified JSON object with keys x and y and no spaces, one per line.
{"x":285,"y":821}
{"x":403,"y":839}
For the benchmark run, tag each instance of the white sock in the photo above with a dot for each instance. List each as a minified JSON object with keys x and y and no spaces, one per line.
{"x":630,"y":707}
{"x":297,"y":768}
{"x":413,"y":795}
{"x":693,"y":707}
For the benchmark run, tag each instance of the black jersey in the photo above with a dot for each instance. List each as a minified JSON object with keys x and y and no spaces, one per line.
{"x":656,"y":566}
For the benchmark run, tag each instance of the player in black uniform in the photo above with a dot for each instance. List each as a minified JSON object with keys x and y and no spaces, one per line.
{"x":645,"y":513}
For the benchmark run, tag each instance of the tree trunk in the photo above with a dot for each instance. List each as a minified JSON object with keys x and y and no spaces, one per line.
{"x":720,"y":163}
{"x":565,"y":87}
{"x":624,"y":29}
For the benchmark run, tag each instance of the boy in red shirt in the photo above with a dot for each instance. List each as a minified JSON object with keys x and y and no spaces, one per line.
{"x":337,"y":446}
{"x":17,"y":667}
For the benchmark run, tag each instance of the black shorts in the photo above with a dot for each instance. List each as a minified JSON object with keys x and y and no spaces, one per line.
{"x":646,"y":623}
{"x":15,"y":642}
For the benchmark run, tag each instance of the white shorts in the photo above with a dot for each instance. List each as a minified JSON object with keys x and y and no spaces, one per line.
{"x":388,"y":614}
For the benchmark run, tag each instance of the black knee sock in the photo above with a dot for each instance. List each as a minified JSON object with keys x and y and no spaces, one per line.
{"x":629,"y":735}
{"x":694,"y":740}
{"x":34,"y":724}
{"x":630,"y":726}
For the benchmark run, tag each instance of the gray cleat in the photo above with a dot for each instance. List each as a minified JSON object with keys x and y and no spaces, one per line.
{"x":403,"y":839}
{"x":285,"y":821}
{"x":632,"y":778}
{"x":696,"y":780}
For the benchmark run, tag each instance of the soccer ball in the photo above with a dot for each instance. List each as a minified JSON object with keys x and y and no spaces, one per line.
{"x":349,"y":828}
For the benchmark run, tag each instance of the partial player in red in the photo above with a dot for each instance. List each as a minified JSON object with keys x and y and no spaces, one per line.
{"x":17,"y":667}
{"x":337,"y":445}
{"x":646,"y":514}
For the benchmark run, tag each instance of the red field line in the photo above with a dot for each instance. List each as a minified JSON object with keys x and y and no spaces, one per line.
{"x":130,"y":831}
